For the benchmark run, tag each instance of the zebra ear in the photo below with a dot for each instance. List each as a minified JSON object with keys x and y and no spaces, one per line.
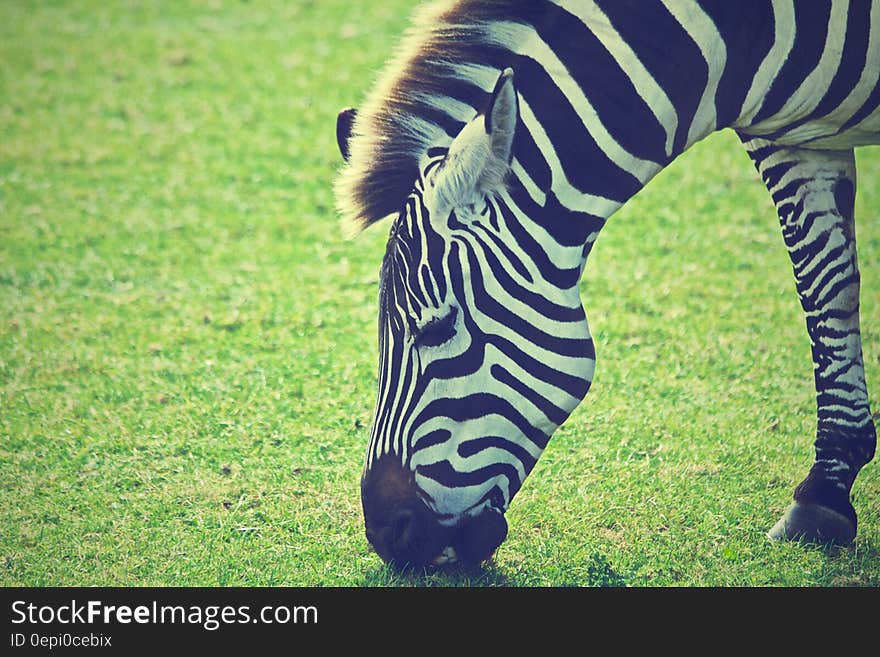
{"x":501,"y":116}
{"x":479,"y":157}
{"x":344,"y":123}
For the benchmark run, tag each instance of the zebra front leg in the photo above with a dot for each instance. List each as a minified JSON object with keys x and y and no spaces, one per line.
{"x":814,"y":193}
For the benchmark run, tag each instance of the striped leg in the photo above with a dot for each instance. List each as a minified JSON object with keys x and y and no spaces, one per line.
{"x":814,"y":193}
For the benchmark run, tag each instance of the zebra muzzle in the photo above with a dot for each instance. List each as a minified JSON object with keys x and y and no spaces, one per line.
{"x":404,"y":530}
{"x":447,"y":557}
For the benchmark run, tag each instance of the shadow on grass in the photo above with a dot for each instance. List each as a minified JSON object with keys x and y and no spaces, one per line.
{"x":486,"y":574}
{"x":597,"y":572}
{"x":846,"y":565}
{"x":862,"y":549}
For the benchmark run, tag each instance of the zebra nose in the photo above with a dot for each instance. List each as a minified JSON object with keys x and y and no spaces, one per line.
{"x":407,"y":535}
{"x":403,"y":529}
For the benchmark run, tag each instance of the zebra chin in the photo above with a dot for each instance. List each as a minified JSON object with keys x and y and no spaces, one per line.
{"x":405,"y":532}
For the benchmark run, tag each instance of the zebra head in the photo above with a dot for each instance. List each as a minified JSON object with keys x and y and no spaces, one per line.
{"x":480,"y":357}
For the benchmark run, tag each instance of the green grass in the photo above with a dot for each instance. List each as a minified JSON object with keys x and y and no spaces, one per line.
{"x":188,"y":349}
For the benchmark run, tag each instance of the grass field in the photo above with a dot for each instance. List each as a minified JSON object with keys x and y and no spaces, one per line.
{"x":188,"y":348}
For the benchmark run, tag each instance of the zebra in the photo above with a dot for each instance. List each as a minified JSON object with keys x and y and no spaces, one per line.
{"x":499,"y":139}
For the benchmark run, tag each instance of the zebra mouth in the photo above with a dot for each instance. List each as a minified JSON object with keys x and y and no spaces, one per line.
{"x":447,"y":557}
{"x":475,"y":540}
{"x":404,"y":530}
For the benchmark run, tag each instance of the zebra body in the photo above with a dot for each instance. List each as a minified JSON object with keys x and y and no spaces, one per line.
{"x":502,"y":137}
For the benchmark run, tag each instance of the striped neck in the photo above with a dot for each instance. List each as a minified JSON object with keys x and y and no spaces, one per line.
{"x":601,"y":114}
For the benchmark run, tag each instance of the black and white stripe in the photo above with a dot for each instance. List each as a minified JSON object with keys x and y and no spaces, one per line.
{"x":484,"y":344}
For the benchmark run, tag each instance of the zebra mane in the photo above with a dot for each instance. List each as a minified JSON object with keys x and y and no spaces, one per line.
{"x":411,"y":109}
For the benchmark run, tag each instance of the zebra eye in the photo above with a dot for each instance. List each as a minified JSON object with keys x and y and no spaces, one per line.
{"x":438,"y":331}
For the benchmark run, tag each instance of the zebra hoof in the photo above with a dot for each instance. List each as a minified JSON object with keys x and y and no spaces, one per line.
{"x":812,"y":523}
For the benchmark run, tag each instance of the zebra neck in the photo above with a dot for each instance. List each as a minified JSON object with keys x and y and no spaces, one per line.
{"x":563,"y":236}
{"x":599,"y":118}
